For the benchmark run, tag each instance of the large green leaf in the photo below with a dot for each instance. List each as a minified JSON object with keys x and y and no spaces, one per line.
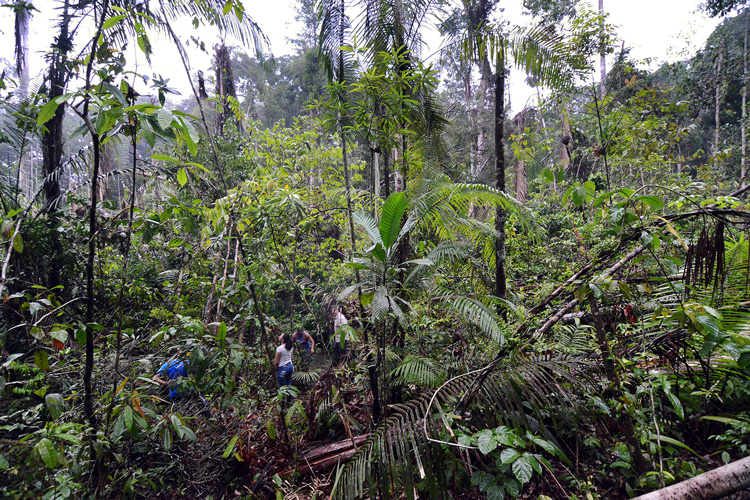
{"x":390,"y":219}
{"x":47,"y":452}
{"x":366,"y":220}
{"x":522,"y":469}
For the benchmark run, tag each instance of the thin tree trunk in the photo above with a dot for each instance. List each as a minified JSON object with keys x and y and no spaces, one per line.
{"x":223,"y":281}
{"x":88,"y":399}
{"x":567,"y":139}
{"x":602,"y":57}
{"x":717,"y":98}
{"x":210,"y":302}
{"x":22,"y":68}
{"x":124,"y":275}
{"x":609,"y":369}
{"x":500,"y":214}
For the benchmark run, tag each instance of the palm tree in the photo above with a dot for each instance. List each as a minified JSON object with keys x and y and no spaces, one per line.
{"x":540,"y":53}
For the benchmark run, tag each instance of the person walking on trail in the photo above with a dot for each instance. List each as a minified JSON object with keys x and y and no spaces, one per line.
{"x":306,"y":345}
{"x":173,"y":370}
{"x":283,"y":362}
{"x":340,"y":326}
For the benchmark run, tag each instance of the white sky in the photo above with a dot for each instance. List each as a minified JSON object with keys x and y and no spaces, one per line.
{"x":666,"y":30}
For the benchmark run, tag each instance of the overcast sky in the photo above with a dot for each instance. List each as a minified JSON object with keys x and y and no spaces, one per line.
{"x":665,"y":30}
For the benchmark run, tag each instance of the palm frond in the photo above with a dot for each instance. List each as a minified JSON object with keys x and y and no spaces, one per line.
{"x":333,"y":34}
{"x":420,"y":371}
{"x":399,"y":453}
{"x":306,"y":378}
{"x":474,"y":312}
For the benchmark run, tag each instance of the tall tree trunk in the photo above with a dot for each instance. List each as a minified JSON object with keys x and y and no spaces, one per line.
{"x":717,"y":97}
{"x":52,"y":142}
{"x":52,"y":139}
{"x":566,"y":142}
{"x":225,"y":87}
{"x":743,"y":129}
{"x":22,"y":19}
{"x":602,"y":57}
{"x":500,"y":215}
{"x":483,"y":102}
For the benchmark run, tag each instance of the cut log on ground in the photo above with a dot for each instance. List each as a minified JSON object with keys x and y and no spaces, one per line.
{"x":717,"y":483}
{"x":328,"y":456}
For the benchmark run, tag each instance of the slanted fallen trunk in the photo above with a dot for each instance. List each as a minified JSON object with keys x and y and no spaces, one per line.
{"x":717,"y":483}
{"x":328,"y":456}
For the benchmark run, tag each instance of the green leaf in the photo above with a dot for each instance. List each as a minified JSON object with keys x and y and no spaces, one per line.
{"x":162,"y":157}
{"x":654,"y":202}
{"x":61,"y":335}
{"x":182,"y":177}
{"x":41,"y":361}
{"x":129,"y":419}
{"x":222,"y":333}
{"x":390,"y":219}
{"x":167,"y":439}
{"x":522,"y":469}
{"x":271,"y":430}
{"x":115,"y":92}
{"x":112,"y":21}
{"x":230,"y":447}
{"x":677,"y":405}
{"x":227,"y":7}
{"x":486,"y":441}
{"x":81,"y":337}
{"x":187,"y":433}
{"x":709,"y":324}
{"x":164,"y":118}
{"x":505,"y":436}
{"x":46,"y":451}
{"x":4,"y":465}
{"x":534,"y":464}
{"x":508,"y":455}
{"x":548,"y":176}
{"x":495,"y":492}
{"x":674,"y":442}
{"x":545,"y":445}
{"x":144,"y":44}
{"x":366,"y":220}
{"x":18,"y":243}
{"x":47,"y":112}
{"x":119,"y":426}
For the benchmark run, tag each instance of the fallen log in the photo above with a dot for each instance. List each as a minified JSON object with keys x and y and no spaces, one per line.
{"x":329,"y":455}
{"x":716,"y":483}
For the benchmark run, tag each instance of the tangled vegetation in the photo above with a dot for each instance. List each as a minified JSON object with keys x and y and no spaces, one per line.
{"x":551,"y":305}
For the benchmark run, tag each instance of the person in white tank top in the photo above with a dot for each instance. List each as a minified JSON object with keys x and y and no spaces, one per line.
{"x":283,"y":362}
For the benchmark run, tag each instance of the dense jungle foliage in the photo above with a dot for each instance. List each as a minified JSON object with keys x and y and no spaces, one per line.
{"x":548,"y":304}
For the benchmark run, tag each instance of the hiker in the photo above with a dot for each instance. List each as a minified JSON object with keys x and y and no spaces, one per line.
{"x":306,"y":345}
{"x":283,"y":362}
{"x":340,"y":325}
{"x":173,"y":369}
